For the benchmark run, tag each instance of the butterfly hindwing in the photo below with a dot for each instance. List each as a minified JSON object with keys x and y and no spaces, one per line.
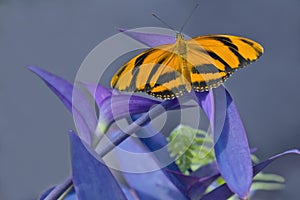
{"x":171,"y":81}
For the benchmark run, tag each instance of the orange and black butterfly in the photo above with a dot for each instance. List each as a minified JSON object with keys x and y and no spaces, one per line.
{"x":198,"y":64}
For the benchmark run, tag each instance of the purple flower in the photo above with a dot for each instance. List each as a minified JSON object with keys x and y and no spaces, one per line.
{"x":93,"y":180}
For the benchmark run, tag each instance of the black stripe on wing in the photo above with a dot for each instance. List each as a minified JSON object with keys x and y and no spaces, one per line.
{"x":205,"y":69}
{"x":212,"y":54}
{"x":234,"y":49}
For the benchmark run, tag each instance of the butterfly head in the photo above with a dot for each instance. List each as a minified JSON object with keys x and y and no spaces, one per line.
{"x":179,"y":36}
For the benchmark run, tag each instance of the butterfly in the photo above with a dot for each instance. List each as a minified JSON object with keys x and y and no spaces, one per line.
{"x":198,"y":64}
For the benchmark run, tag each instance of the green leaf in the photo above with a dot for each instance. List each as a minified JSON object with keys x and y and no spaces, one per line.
{"x":267,"y":182}
{"x":254,"y":159}
{"x":269,"y":178}
{"x":192,"y":148}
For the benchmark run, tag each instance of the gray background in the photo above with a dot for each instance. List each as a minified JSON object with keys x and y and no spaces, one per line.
{"x":57,"y":35}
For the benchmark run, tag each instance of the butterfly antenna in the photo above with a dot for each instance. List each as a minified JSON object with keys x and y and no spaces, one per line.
{"x":162,"y":21}
{"x":189,"y":17}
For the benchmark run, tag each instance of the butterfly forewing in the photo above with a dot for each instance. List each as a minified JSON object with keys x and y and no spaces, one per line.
{"x":216,"y":57}
{"x":232,"y":51}
{"x":156,"y":71}
{"x":132,"y":75}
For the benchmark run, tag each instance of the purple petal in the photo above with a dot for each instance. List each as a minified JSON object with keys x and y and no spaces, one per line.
{"x":181,"y":181}
{"x":192,"y":186}
{"x":121,"y":105}
{"x":197,"y":190}
{"x":259,"y":167}
{"x":149,"y":39}
{"x":214,"y":104}
{"x":206,"y":170}
{"x":231,"y":145}
{"x":99,"y":92}
{"x":149,"y":185}
{"x":62,"y":88}
{"x":223,"y":192}
{"x":233,"y":153}
{"x":83,"y":113}
{"x":91,"y":178}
